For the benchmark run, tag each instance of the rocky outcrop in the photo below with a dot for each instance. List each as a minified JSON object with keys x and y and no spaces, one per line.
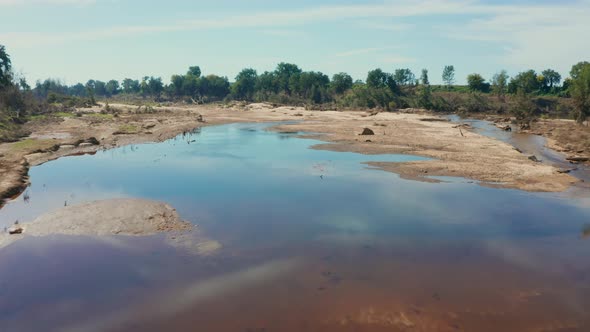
{"x":367,"y":132}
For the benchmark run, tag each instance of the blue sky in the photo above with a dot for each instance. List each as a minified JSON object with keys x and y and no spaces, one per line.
{"x":75,"y":40}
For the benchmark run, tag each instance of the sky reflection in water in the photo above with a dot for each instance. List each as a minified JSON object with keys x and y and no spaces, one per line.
{"x":266,"y":197}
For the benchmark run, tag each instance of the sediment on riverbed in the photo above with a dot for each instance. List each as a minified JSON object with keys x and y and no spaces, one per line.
{"x":455,"y":151}
{"x":123,"y":217}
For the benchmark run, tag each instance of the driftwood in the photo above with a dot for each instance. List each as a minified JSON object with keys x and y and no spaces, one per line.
{"x":577,"y":159}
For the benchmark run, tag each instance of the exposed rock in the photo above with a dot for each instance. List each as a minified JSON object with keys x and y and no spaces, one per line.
{"x":16,"y":229}
{"x":367,"y":131}
{"x":200,"y":118}
{"x":150,"y":125}
{"x":504,"y":127}
{"x":85,"y":145}
{"x":66,"y":146}
{"x":535,"y":159}
{"x":525,"y":126}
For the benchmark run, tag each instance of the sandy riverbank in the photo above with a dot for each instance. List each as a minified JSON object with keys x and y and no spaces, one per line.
{"x":455,"y":151}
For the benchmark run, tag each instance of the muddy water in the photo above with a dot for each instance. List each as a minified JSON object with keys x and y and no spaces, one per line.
{"x":312,"y":241}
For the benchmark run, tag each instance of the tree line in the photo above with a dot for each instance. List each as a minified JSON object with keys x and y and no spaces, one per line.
{"x":289,"y":84}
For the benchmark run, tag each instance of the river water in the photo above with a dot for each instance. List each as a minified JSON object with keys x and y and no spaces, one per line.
{"x":311,"y":241}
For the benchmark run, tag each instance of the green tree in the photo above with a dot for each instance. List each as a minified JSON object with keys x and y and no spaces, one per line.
{"x":266,"y":85}
{"x":100,"y":88}
{"x":77,"y":90}
{"x":341,"y":82}
{"x":176,"y":85}
{"x":245,"y":84}
{"x":378,"y":79}
{"x":551,"y":78}
{"x":5,"y":68}
{"x":404,"y":76}
{"x":448,"y":75}
{"x":477,"y":83}
{"x":500,"y":83}
{"x":195,"y":71}
{"x":303,"y":84}
{"x":425,"y":97}
{"x":155,"y":87}
{"x":580,"y":92}
{"x":526,"y":81}
{"x":144,"y":87}
{"x":283,"y":73}
{"x":112,"y":88}
{"x":424,"y":77}
{"x":130,"y":86}
{"x":577,"y":69}
{"x":214,"y":86}
{"x":523,"y":107}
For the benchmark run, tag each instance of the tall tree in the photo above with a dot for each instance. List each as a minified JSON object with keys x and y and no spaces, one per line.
{"x":245,"y":84}
{"x":284,"y":72}
{"x":577,"y":68}
{"x":448,"y":75}
{"x":341,"y":82}
{"x":155,"y":86}
{"x":144,"y":87}
{"x":100,"y":88}
{"x":526,"y":81}
{"x":112,"y":88}
{"x":500,"y":83}
{"x":378,"y":79}
{"x":477,"y":83}
{"x":552,"y":78}
{"x":176,"y":83}
{"x":404,"y":76}
{"x":195,"y":71}
{"x":130,"y":86}
{"x":5,"y":67}
{"x":580,"y":92}
{"x":424,"y":77}
{"x":214,"y":86}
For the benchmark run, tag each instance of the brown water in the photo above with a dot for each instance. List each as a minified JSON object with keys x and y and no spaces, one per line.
{"x":353,"y":250}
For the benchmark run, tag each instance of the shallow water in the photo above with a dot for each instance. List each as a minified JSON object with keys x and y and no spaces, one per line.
{"x":312,"y":240}
{"x":529,"y":144}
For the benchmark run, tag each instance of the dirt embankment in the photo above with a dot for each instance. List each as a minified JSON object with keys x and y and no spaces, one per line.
{"x":565,"y":136}
{"x":455,"y":151}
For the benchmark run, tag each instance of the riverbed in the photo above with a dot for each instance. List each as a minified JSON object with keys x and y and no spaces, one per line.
{"x":310,"y":240}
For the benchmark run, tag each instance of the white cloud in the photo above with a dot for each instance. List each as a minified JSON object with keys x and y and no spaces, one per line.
{"x":526,"y":34}
{"x":534,"y":36}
